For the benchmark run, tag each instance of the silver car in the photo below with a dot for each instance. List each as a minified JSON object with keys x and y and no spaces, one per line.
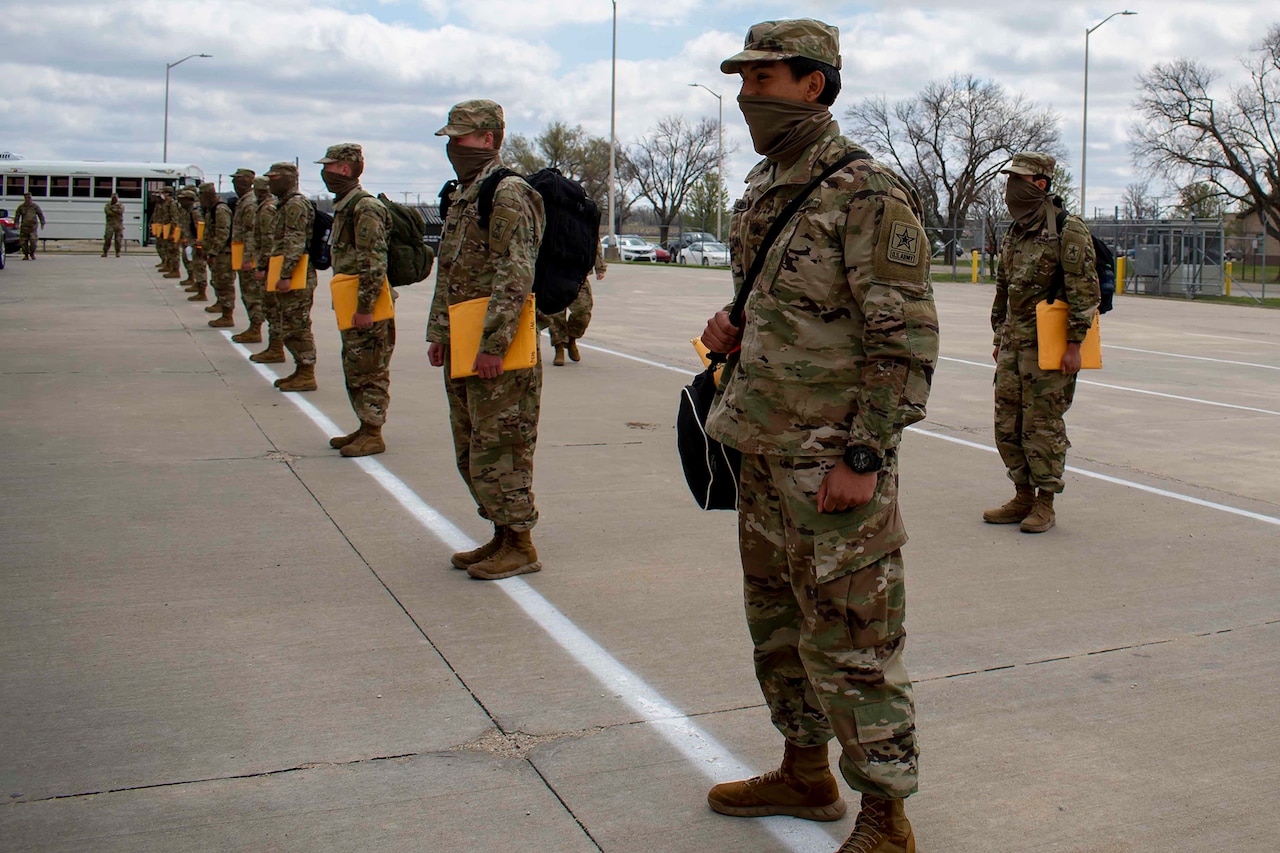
{"x":635,"y":249}
{"x":706,"y":254}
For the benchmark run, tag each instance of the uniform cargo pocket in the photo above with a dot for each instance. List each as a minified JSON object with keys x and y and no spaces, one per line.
{"x":880,"y":721}
{"x":859,"y":544}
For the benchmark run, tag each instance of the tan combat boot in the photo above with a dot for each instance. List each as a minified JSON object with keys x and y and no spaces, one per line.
{"x":340,"y":441}
{"x":223,"y":322}
{"x":802,"y":787}
{"x":466,"y":559}
{"x":1041,"y":517}
{"x":1013,"y":511}
{"x":558,"y":361}
{"x":574,"y":355}
{"x":191,"y":287}
{"x":215,"y":308}
{"x":251,"y":335}
{"x":515,"y":556}
{"x":273,"y":354}
{"x":882,"y":827}
{"x":366,"y":444}
{"x":198,"y":296}
{"x":172,"y":274}
{"x":303,"y":379}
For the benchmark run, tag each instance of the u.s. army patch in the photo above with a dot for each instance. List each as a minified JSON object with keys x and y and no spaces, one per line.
{"x":1072,"y":257}
{"x":499,"y":232}
{"x":904,"y":244}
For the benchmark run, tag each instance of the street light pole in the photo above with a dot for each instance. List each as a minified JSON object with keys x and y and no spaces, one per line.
{"x":168,"y":66}
{"x":613,"y":136}
{"x":719,"y":159}
{"x":1084,"y":123}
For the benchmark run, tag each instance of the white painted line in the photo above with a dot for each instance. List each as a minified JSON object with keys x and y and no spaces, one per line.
{"x":1194,"y":357}
{"x":630,"y":357}
{"x":697,"y":746}
{"x":1227,"y":338}
{"x":1133,"y":390}
{"x":1164,"y":493}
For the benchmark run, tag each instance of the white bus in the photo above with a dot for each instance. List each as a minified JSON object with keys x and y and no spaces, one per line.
{"x":72,"y":193}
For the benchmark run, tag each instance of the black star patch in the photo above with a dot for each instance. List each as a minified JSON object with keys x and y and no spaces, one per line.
{"x":904,"y":244}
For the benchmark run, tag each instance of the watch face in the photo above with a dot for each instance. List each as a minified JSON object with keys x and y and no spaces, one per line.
{"x":862,"y":460}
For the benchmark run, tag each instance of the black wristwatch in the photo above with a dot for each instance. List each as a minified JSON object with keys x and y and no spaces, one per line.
{"x":862,"y":459}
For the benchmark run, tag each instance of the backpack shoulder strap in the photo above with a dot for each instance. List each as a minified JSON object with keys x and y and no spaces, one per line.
{"x":488,"y":189}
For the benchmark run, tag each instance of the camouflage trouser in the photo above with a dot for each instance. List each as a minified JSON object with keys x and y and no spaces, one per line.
{"x":573,"y":321}
{"x":1030,"y":403}
{"x":198,"y":270}
{"x":295,"y":323}
{"x":224,"y":281}
{"x":271,"y":311}
{"x":826,"y":623}
{"x":27,"y":239}
{"x":366,"y":365}
{"x":252,"y":292}
{"x":112,"y":233}
{"x":495,"y":429}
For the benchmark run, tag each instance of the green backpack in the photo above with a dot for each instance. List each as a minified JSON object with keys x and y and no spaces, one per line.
{"x":409,"y":258}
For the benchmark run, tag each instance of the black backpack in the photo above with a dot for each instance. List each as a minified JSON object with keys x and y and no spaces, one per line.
{"x":409,"y":258}
{"x":569,"y":241}
{"x":1104,"y":263}
{"x":319,"y":252}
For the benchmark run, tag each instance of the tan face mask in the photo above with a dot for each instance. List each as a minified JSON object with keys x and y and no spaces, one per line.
{"x":782,"y":129}
{"x":468,"y":162}
{"x":1025,"y":200}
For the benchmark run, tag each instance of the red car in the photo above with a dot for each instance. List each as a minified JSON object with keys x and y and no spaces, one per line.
{"x":663,"y":256}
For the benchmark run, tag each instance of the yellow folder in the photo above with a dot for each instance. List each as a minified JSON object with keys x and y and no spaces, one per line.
{"x":705,"y":354}
{"x":346,"y":292}
{"x":200,"y":229}
{"x":155,"y":229}
{"x":466,"y":324}
{"x":237,"y":258}
{"x":297,"y":281}
{"x":165,"y":230}
{"x":1051,"y":334}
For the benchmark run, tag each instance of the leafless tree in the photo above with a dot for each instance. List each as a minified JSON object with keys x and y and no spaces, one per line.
{"x":571,"y":150}
{"x":1138,"y":202}
{"x":951,"y":140}
{"x":1230,"y":143}
{"x":669,"y":162}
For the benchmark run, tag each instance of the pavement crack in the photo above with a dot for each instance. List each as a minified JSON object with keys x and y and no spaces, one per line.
{"x":518,"y":744}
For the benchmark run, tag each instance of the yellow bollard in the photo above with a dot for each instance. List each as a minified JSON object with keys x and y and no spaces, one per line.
{"x":1120,"y":273}
{"x":973,"y":278}
{"x":1226,"y":282}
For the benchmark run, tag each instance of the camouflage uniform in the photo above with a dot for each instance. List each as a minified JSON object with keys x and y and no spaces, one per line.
{"x":197,"y":269}
{"x":30,"y":219}
{"x":216,"y":248}
{"x":360,"y":226}
{"x":244,"y":230}
{"x":113,"y":211}
{"x":170,"y":216}
{"x":1029,"y":402}
{"x":494,"y":421}
{"x":155,"y":217}
{"x":294,"y":219}
{"x":839,"y":345}
{"x":264,"y":227}
{"x":573,"y":321}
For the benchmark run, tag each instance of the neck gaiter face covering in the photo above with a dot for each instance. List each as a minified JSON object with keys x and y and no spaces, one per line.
{"x":782,"y":129}
{"x":282,"y":185}
{"x":468,"y":162}
{"x":1025,"y":201}
{"x":339,"y":184}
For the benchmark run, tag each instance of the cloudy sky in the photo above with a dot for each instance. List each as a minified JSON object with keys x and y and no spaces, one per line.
{"x":84,"y":79}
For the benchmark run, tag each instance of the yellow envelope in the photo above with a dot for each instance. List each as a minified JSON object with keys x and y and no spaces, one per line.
{"x":346,"y":291}
{"x":165,"y":230}
{"x":200,"y":229}
{"x":155,"y":229}
{"x":297,"y":281}
{"x":1051,"y":334}
{"x":466,"y":324}
{"x":237,"y":258}
{"x":703,"y":353}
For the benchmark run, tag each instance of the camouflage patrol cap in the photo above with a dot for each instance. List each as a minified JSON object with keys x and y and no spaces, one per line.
{"x":206,"y":188}
{"x":1031,"y":163}
{"x":343,"y":152}
{"x":770,"y":41}
{"x":243,"y":173}
{"x":285,"y":168}
{"x":261,"y":184}
{"x":187,"y":193}
{"x":470,"y":116}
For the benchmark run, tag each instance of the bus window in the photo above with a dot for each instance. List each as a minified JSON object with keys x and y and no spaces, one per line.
{"x":129,"y":187}
{"x":38,"y":185}
{"x":15,"y":185}
{"x":60,"y":186}
{"x":80,"y":187}
{"x":102,"y":187}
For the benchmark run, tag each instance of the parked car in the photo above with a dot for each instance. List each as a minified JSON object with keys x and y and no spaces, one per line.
{"x":634,"y":249}
{"x":707,"y":254}
{"x":12,"y":242}
{"x":688,"y":238}
{"x":661,"y":255}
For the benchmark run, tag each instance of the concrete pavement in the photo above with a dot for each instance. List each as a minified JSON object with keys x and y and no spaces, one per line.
{"x":222,"y":635}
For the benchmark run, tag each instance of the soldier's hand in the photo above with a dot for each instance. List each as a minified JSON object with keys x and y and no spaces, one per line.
{"x":435,"y":354}
{"x":1071,"y":360}
{"x":260,"y":275}
{"x":599,"y":276}
{"x":361,"y":321}
{"x":720,"y":335}
{"x":843,"y":489}
{"x":283,"y":284}
{"x":995,"y":353}
{"x":488,"y":366}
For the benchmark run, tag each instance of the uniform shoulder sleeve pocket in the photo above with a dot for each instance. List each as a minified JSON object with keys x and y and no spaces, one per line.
{"x":1074,"y":250}
{"x":901,"y":245}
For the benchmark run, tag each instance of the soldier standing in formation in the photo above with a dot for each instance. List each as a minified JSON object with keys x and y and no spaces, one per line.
{"x":360,"y":226}
{"x":113,"y":211}
{"x":263,"y":231}
{"x":185,"y":230}
{"x":30,"y":219}
{"x":1037,"y":263}
{"x":294,"y":219}
{"x":170,"y":217}
{"x":216,"y":247}
{"x":197,"y":267}
{"x":816,"y":400}
{"x":494,"y":414}
{"x":571,"y":323}
{"x":244,"y":231}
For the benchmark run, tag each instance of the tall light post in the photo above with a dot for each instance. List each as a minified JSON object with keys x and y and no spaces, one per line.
{"x":719,"y":157}
{"x":1084,"y":131}
{"x":168,"y":66}
{"x":613,"y":137}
